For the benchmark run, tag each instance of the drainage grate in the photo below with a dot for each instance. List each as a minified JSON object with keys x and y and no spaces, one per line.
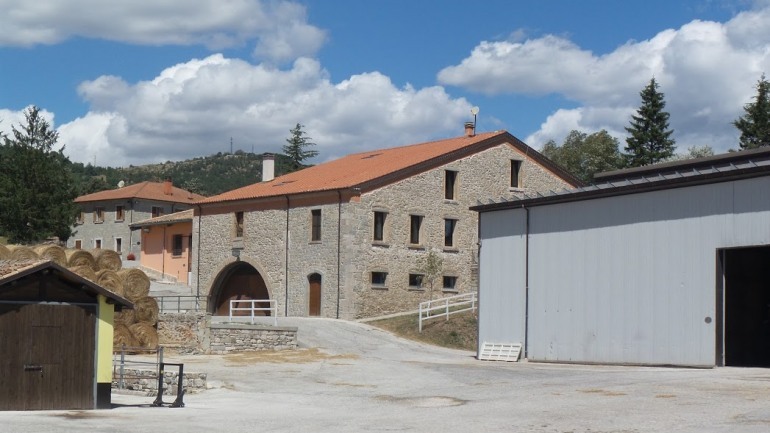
{"x":500,"y":351}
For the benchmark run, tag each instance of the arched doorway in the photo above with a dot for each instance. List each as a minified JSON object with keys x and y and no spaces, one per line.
{"x":238,"y":281}
{"x":314,"y":294}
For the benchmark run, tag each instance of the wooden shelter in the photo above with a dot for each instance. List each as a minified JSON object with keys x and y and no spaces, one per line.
{"x":56,"y":331}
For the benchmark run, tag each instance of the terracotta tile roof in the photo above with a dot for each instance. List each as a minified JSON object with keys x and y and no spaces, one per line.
{"x":143,"y":190}
{"x":176,"y":217}
{"x":9,"y":268}
{"x":378,"y":167}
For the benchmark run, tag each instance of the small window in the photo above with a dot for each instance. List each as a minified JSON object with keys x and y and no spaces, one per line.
{"x":449,"y":232}
{"x":315,"y":234}
{"x":450,"y":184}
{"x":415,"y":224}
{"x":415,"y":280}
{"x":239,"y":224}
{"x":177,"y":243}
{"x":98,"y":215}
{"x":379,"y":226}
{"x":379,"y":278}
{"x":157,"y":211}
{"x":81,"y":217}
{"x":97,"y":243}
{"x":78,"y":244}
{"x":120,"y":213}
{"x":118,"y":245}
{"x":515,"y":173}
{"x":450,"y":282}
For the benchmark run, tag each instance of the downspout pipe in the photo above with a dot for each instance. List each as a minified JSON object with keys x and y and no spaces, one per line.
{"x":198,"y":256}
{"x":286,"y":261}
{"x":339,"y":244}
{"x":526,"y":282}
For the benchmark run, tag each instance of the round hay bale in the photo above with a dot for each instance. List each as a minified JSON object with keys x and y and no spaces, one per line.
{"x":136,"y":284}
{"x":80,"y":258}
{"x":5,"y":253}
{"x":107,"y":259}
{"x":53,"y":253}
{"x":84,"y":271}
{"x":146,"y":334}
{"x":126,"y":317}
{"x":146,"y":310}
{"x":22,"y":253}
{"x":122,"y":335}
{"x":110,"y":280}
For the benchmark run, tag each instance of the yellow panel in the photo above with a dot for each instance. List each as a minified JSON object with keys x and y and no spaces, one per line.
{"x":104,"y":345}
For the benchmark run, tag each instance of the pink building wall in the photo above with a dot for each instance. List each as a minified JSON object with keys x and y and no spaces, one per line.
{"x":157,"y":250}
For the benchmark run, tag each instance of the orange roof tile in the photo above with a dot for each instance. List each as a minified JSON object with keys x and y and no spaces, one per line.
{"x":377,"y":167}
{"x":143,"y":190}
{"x":183,"y":216}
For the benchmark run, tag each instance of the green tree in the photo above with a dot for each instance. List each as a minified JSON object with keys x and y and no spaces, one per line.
{"x":297,"y":148}
{"x":693,"y":152}
{"x":36,"y":185}
{"x":583,"y":154}
{"x":755,"y":123}
{"x":650,"y":139}
{"x":430,"y":266}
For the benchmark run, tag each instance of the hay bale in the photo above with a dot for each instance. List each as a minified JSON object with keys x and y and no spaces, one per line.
{"x":5,"y":253}
{"x":126,"y":317}
{"x":122,"y":335}
{"x":84,"y":271}
{"x":145,"y":334}
{"x":80,"y":258}
{"x":107,"y":259}
{"x":110,"y":280}
{"x":136,"y":284}
{"x":146,"y":310}
{"x":53,"y":253}
{"x":22,"y":253}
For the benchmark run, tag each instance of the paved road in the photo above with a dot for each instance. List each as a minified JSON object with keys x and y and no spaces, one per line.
{"x":350,"y":377}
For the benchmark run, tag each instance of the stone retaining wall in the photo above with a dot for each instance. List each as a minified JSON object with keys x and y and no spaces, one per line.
{"x":237,"y":337}
{"x":146,"y":381}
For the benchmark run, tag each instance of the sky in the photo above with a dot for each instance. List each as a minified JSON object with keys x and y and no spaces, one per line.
{"x":148,"y":81}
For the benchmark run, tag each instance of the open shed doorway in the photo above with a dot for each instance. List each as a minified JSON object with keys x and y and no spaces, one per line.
{"x":746,"y":306}
{"x":239,"y":281}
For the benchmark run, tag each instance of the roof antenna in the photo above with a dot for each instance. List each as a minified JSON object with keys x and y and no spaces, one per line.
{"x":474,"y":111}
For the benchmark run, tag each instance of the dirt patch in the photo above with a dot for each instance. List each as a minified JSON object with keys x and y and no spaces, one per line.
{"x":428,"y":401}
{"x":459,"y":332}
{"x":602,"y":392}
{"x":299,"y":356}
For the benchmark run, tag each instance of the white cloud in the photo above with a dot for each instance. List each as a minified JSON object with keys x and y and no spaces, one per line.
{"x":10,"y":119}
{"x":279,"y":28}
{"x":192,"y":109}
{"x":707,"y":71}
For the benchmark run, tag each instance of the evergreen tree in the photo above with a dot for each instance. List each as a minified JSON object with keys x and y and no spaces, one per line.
{"x":36,"y":185}
{"x":650,"y":139}
{"x":583,"y":155}
{"x":755,"y":123}
{"x":296,"y":149}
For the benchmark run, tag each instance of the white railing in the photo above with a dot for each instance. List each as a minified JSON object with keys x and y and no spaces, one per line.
{"x":178,"y":304}
{"x":253,"y":306}
{"x":445,"y":307}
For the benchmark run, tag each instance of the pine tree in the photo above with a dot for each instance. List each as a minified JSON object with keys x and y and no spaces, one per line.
{"x":650,"y":139}
{"x":296,"y":149}
{"x":37,"y":190}
{"x":755,"y":124}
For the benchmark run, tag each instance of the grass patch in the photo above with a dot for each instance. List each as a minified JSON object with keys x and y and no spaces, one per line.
{"x":459,"y":332}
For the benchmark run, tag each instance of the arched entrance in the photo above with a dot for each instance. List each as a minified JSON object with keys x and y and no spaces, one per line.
{"x":238,"y":281}
{"x":314,"y":294}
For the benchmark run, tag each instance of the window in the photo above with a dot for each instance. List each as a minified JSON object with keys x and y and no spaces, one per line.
{"x":97,"y":243}
{"x":450,"y":282}
{"x":379,"y":278}
{"x":118,"y":245}
{"x":449,"y":232}
{"x":177,"y":245}
{"x":78,"y":244}
{"x":515,"y":174}
{"x":120,"y":213}
{"x":157,"y":211}
{"x":81,"y":217}
{"x":415,"y":223}
{"x":315,"y":234}
{"x":98,"y":215}
{"x":239,"y":224}
{"x":379,"y":226}
{"x":415,"y":280}
{"x":450,"y":184}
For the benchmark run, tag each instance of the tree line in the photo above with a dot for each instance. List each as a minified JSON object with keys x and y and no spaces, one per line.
{"x":650,"y":140}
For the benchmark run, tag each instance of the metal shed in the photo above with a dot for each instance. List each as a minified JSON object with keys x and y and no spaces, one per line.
{"x":55,"y":338}
{"x":663,"y":265}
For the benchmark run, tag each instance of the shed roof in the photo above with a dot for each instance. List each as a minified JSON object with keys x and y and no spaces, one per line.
{"x":143,"y":190}
{"x":176,"y":217}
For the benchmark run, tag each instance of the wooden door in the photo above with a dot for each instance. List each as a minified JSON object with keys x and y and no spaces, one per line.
{"x":314,"y":301}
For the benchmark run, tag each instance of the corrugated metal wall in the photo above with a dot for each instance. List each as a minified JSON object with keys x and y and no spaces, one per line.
{"x":627,"y":279}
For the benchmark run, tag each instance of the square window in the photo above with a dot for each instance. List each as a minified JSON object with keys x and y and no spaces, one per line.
{"x":415,"y":224}
{"x":379,"y":278}
{"x":120,"y":213}
{"x":515,"y":173}
{"x":238,"y":225}
{"x":157,"y":211}
{"x":379,"y":226}
{"x":99,"y":215}
{"x":449,"y":282}
{"x":315,"y":234}
{"x":415,"y":280}
{"x":97,"y":243}
{"x":177,"y":243}
{"x":449,"y":232}
{"x":450,"y":184}
{"x":78,"y":244}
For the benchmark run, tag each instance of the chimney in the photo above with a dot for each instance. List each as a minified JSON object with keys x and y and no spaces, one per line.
{"x":470,"y":129}
{"x":268,"y":167}
{"x":167,"y":187}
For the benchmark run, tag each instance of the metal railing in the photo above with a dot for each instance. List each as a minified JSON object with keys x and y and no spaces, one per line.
{"x":254,"y":305}
{"x":132,"y":364}
{"x":445,"y":307}
{"x":178,"y":304}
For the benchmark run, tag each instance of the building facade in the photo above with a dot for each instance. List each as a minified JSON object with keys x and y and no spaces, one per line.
{"x":165,"y":245}
{"x":348,"y":238}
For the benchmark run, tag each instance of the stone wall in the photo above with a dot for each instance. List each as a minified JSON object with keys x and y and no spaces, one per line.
{"x":146,"y":381}
{"x":186,"y":332}
{"x":236,"y":337}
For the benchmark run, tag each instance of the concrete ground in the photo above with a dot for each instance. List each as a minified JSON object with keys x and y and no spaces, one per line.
{"x":351,"y":377}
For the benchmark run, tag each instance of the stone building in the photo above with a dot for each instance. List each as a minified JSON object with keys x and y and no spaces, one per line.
{"x":346,"y":238}
{"x":105,"y":216}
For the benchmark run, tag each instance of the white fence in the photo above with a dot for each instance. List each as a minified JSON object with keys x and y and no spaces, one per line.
{"x":445,"y":307}
{"x":253,"y":305}
{"x":179,"y":304}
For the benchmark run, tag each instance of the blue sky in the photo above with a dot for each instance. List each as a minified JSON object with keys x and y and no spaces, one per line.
{"x":147,"y":81}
